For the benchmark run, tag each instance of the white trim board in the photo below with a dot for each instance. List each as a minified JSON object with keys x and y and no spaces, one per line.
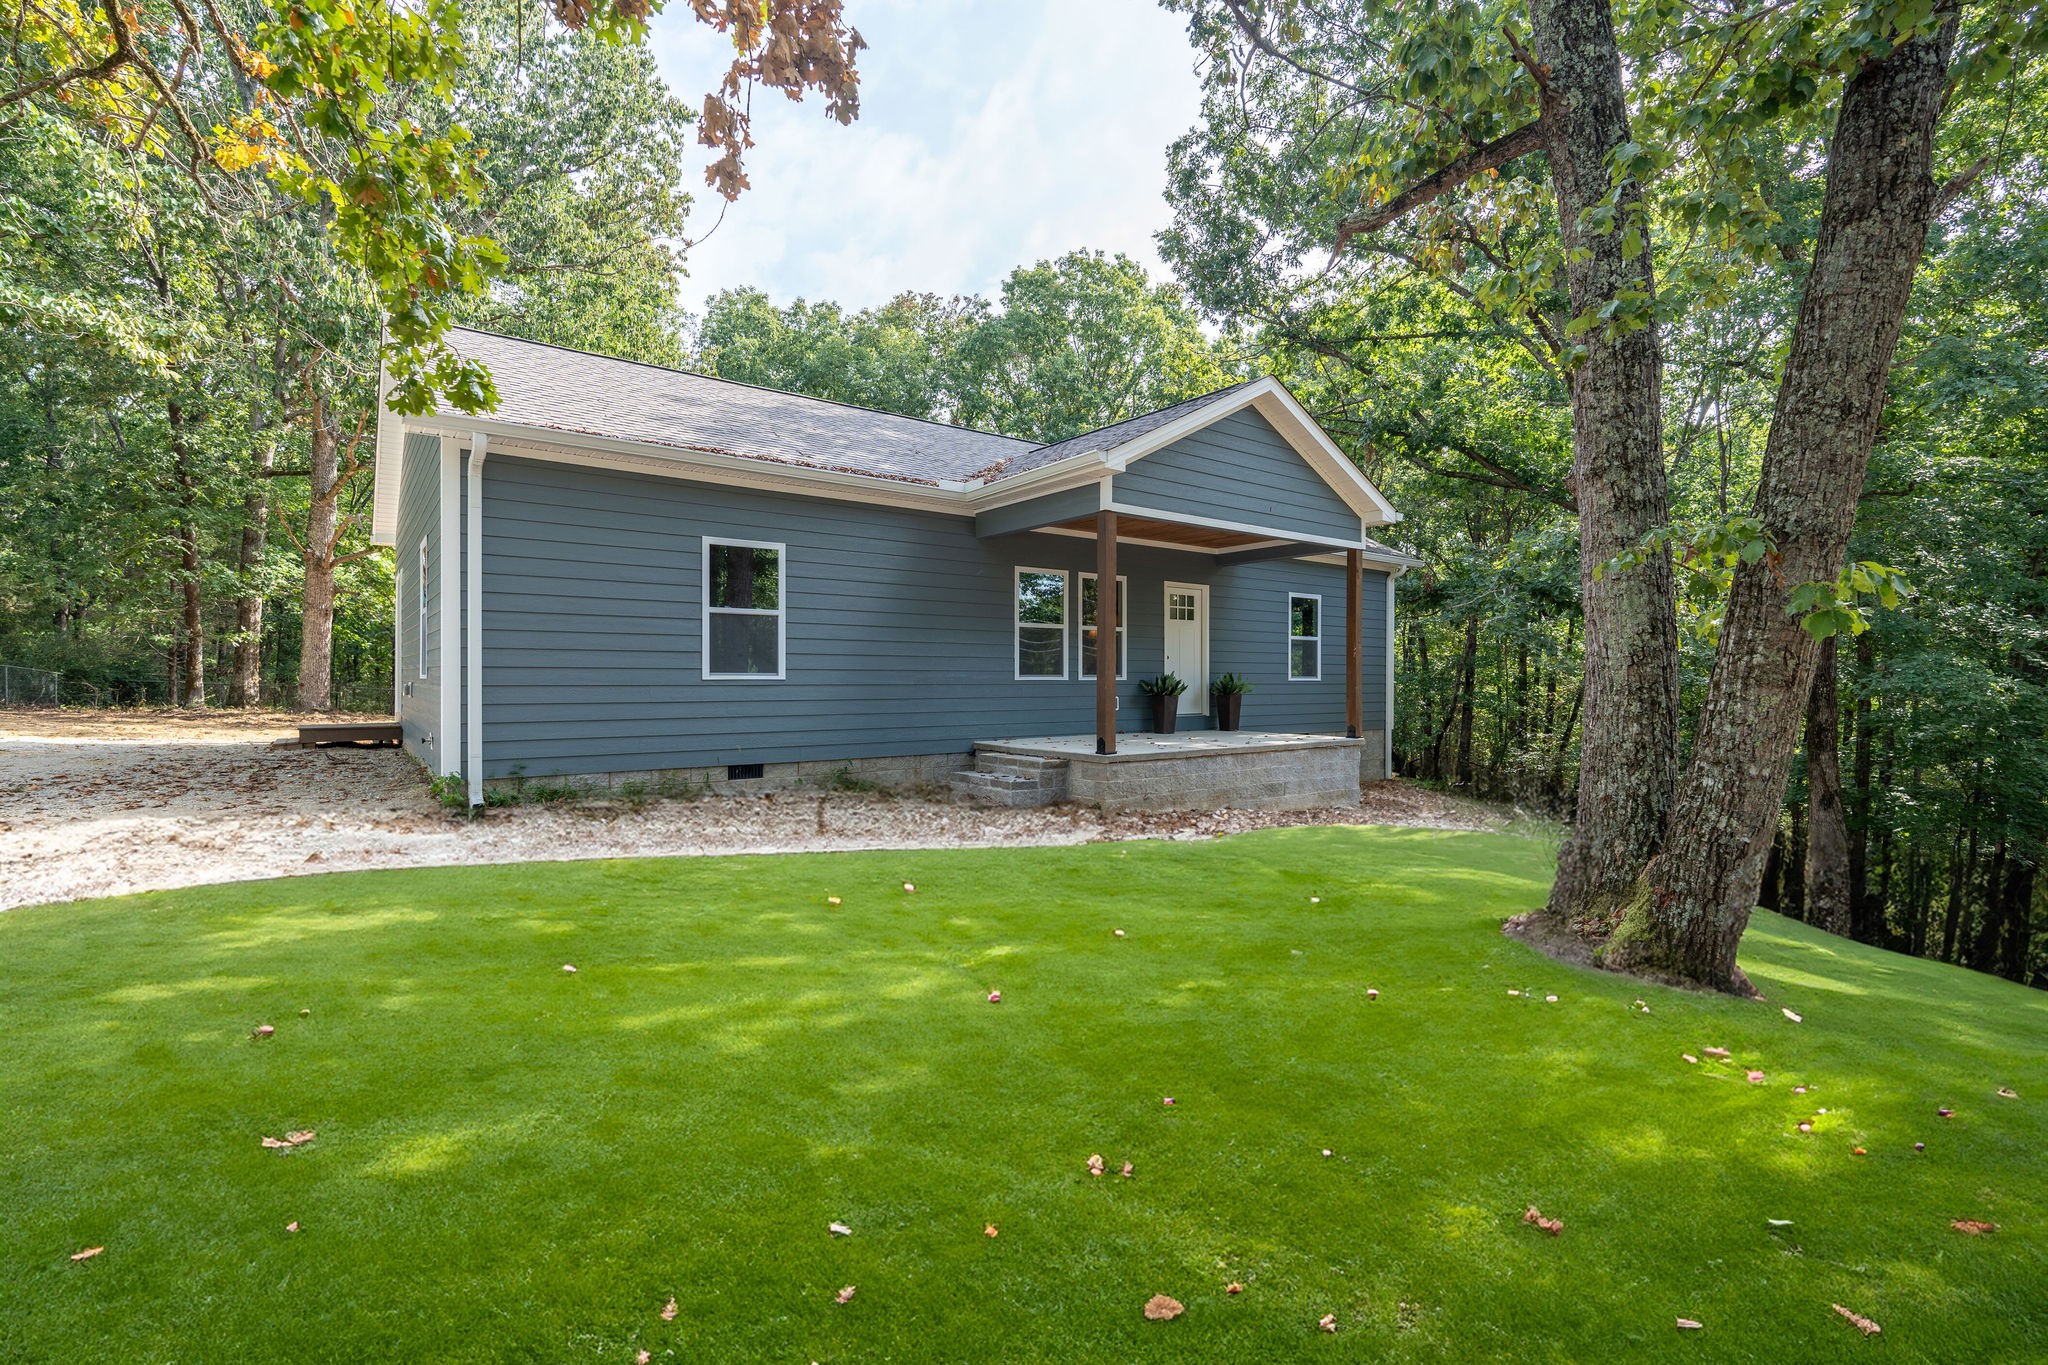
{"x":448,"y":736}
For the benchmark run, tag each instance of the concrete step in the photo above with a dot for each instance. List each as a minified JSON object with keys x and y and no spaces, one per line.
{"x":1019,"y":765}
{"x":1003,"y":789}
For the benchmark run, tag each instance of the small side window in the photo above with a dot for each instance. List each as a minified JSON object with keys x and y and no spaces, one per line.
{"x":743,"y":609}
{"x":421,"y":648}
{"x":1304,"y":637}
{"x":1041,"y":623}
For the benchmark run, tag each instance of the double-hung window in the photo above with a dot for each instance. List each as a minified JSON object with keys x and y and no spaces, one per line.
{"x":1088,"y":624}
{"x":1041,"y":623}
{"x":422,"y":648}
{"x":1304,"y":637}
{"x":743,"y":609}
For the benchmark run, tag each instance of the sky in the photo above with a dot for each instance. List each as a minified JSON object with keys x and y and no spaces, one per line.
{"x":992,"y":133}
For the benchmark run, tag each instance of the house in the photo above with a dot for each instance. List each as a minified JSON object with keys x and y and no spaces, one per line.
{"x":631,"y":570}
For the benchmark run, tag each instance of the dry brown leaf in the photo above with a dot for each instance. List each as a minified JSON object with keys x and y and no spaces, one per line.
{"x":643,"y":1358}
{"x":1790,"y":1015}
{"x":1127,"y":1171}
{"x":1553,"y":1226}
{"x":1371,"y":993}
{"x":1095,"y":1164}
{"x":909,"y":886}
{"x":264,"y":1031}
{"x":1690,"y":1060}
{"x":275,"y":1142}
{"x":1863,"y":1324}
{"x":1168,"y":1101}
{"x":831,"y":900}
{"x":1717,"y":1053}
{"x":1233,"y":1288}
{"x":995,"y":997}
{"x":669,"y":1309}
{"x":291,"y":1226}
{"x":303,"y":1135}
{"x":1328,"y":1322}
{"x":1160,"y":1308}
{"x":839,"y":1229}
{"x":2006,"y":1092}
{"x":1976,"y":1227}
{"x":989,"y":1231}
{"x":844,"y":1296}
{"x":1689,"y":1325}
{"x":87,"y":1254}
{"x":569,"y":967}
{"x":1756,"y":1077}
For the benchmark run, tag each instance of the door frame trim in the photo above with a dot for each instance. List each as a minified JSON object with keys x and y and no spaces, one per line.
{"x":1197,"y":687}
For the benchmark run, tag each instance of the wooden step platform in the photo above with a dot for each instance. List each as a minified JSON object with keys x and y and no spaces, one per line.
{"x":326,"y":734}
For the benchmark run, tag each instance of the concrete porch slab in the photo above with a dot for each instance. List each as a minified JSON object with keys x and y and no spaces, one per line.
{"x":1205,"y":770}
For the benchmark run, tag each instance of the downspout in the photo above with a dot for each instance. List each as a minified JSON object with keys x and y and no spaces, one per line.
{"x":473,"y":624}
{"x":1399,"y":569}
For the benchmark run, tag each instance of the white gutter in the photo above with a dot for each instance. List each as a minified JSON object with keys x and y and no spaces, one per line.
{"x":473,"y":624}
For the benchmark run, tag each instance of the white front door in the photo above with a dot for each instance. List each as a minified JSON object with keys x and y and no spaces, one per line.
{"x":1187,"y":642}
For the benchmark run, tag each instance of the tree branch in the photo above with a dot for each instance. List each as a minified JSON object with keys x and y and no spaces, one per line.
{"x":1524,"y":140}
{"x":122,"y":55}
{"x":1251,"y":30}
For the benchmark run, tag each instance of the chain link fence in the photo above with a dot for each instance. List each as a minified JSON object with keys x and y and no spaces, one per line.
{"x":21,"y":686}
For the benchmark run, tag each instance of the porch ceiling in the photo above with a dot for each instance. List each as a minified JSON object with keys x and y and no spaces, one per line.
{"x":1171,"y":533}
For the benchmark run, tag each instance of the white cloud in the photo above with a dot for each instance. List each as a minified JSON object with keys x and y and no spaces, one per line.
{"x":990,"y":135}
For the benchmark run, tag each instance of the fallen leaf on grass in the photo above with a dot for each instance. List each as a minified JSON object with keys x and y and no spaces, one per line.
{"x":1863,"y":1324}
{"x":263,"y":1031}
{"x":291,"y":1226}
{"x":832,"y":900}
{"x":1119,"y":933}
{"x":1371,"y":994}
{"x":1168,"y":1101}
{"x":839,"y":1229}
{"x":1976,"y":1227}
{"x":1779,"y":1222}
{"x":1805,"y":1127}
{"x":1328,"y":1322}
{"x":289,"y":1140}
{"x":643,"y":1358}
{"x":87,"y":1254}
{"x":1689,"y":1059}
{"x":1857,"y":1151}
{"x":1095,"y":1164}
{"x":1550,"y":999}
{"x":1755,"y":1077}
{"x":1790,"y":1015}
{"x":1553,"y":1226}
{"x":1159,"y":1308}
{"x":1126,"y":1171}
{"x":1945,"y":1113}
{"x":2006,"y":1092}
{"x":909,"y":886}
{"x":989,"y":1231}
{"x":844,"y":1296}
{"x":995,"y":997}
{"x":305,"y":1014}
{"x":669,"y":1309}
{"x":1689,"y":1325}
{"x":1719,"y":1054}
{"x":569,"y":967}
{"x":1233,"y":1288}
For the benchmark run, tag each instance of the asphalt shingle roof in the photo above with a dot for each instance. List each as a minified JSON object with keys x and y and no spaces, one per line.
{"x":574,"y":391}
{"x":556,"y":388}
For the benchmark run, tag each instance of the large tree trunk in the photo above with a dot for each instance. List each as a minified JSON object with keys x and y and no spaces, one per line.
{"x":1629,"y":757}
{"x":1468,"y":678}
{"x":323,"y":529}
{"x":1828,"y":897}
{"x":2019,"y":920}
{"x":191,"y":686}
{"x":1688,"y":916}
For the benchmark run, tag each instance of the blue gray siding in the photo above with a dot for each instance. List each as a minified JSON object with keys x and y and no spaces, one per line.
{"x":419,"y":518}
{"x":1050,"y":510}
{"x":1239,"y":470}
{"x":900,"y":635}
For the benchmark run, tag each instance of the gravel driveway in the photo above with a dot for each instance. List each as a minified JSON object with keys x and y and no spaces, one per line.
{"x":101,"y":803}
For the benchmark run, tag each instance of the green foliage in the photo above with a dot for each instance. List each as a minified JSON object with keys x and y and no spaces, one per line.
{"x":1230,"y":685}
{"x":1165,"y":685}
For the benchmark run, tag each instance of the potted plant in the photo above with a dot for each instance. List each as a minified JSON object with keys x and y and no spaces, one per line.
{"x":1229,"y":691}
{"x":1164,"y":693}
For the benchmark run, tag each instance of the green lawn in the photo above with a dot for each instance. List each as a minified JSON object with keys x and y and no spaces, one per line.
{"x":517,"y":1163}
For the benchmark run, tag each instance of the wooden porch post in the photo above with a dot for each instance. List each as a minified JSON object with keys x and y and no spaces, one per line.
{"x":1105,"y":632}
{"x":1354,"y":644}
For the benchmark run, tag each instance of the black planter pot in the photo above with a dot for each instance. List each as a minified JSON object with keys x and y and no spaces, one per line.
{"x":1165,"y":712}
{"x":1229,"y":706}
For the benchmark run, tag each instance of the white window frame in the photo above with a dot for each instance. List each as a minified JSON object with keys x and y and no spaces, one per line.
{"x":422,"y":668}
{"x":1293,"y":639}
{"x":781,"y":612}
{"x":1017,"y":624}
{"x":1081,"y":626}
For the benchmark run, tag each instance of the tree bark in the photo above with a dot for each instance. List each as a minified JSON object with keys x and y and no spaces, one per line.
{"x":191,"y":686}
{"x":1687,"y":918}
{"x":1628,"y":758}
{"x":1468,"y":678}
{"x":1829,"y":901}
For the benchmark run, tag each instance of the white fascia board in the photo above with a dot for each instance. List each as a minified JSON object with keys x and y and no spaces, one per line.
{"x":387,"y":484}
